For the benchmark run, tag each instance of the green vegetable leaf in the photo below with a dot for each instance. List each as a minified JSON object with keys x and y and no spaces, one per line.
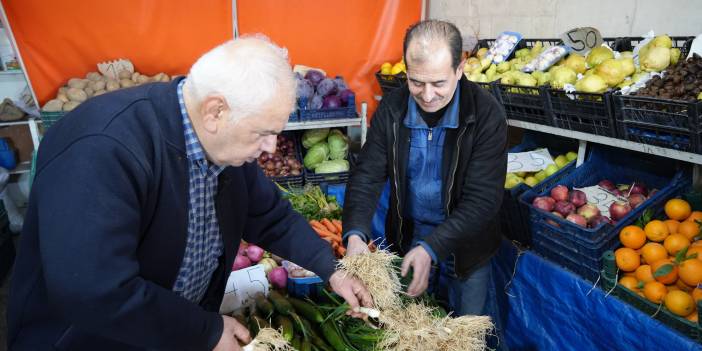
{"x":680,"y":256}
{"x":663,"y":270}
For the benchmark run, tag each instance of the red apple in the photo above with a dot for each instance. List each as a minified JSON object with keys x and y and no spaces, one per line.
{"x":589,"y":211}
{"x":557,"y":214}
{"x":616,"y":192}
{"x":544,"y":203}
{"x":578,"y":198}
{"x":577,"y":219}
{"x":564,"y":208}
{"x":636,"y":199}
{"x":607,"y":184}
{"x":599,"y":219}
{"x":619,"y":210}
{"x":639,"y":188}
{"x":560,"y":193}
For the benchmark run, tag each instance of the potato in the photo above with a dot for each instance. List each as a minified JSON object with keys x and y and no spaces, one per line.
{"x":165,"y":78}
{"x":93,"y":76}
{"x":54,"y":105}
{"x":111,"y":85}
{"x":69,"y":106}
{"x":89,"y":91}
{"x":62,"y":97}
{"x":77,"y":83}
{"x":135,"y":76}
{"x":75,"y":94}
{"x":124,"y":74}
{"x":142,"y":79}
{"x":126,"y":83}
{"x":99,"y":92}
{"x":63,"y":90}
{"x":97,"y":85}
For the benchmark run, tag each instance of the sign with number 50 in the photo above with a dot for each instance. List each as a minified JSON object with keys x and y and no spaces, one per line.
{"x":582,"y":40}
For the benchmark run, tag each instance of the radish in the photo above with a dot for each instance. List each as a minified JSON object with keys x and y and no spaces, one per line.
{"x":241,"y":262}
{"x":278,"y":277}
{"x":254,"y":253}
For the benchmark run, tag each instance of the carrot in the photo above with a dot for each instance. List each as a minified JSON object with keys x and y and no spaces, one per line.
{"x":328,"y":239}
{"x":341,"y":251}
{"x":316,"y":225}
{"x":337,"y":224}
{"x":327,"y":234}
{"x":327,"y":223}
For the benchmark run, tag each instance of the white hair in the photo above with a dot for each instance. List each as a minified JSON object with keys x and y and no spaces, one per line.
{"x":250,"y":72}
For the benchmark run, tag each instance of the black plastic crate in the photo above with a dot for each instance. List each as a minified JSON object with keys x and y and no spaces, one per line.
{"x":389,"y":82}
{"x":666,"y":123}
{"x":529,"y":104}
{"x":513,"y":215}
{"x":583,"y":112}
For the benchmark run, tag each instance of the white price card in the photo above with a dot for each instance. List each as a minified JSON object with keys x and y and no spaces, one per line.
{"x":112,"y":68}
{"x":600,"y":197}
{"x":583,"y":39}
{"x":242,"y":287}
{"x":532,"y":161}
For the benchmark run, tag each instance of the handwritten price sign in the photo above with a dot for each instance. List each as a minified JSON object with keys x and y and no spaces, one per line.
{"x":532,"y":161}
{"x":581,"y":40}
{"x":600,"y":197}
{"x":242,"y":287}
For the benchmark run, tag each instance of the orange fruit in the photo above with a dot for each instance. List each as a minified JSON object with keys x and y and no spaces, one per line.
{"x":655,"y":291}
{"x":692,"y":317}
{"x":695,"y":250}
{"x":652,"y":252}
{"x":689,"y":229}
{"x":697,"y":294}
{"x":632,"y":237}
{"x":656,"y":230}
{"x":696,"y":243}
{"x":668,"y":278}
{"x":675,"y":242}
{"x":627,"y":259}
{"x":682,"y":286}
{"x":630,"y":283}
{"x":680,"y":303}
{"x":672,"y":287}
{"x":644,"y":274}
{"x":672,"y":225}
{"x":677,"y":209}
{"x":690,"y":272}
{"x":695,"y":216}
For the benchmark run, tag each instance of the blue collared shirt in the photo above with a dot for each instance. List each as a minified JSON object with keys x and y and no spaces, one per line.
{"x":425,"y":203}
{"x":204,"y":244}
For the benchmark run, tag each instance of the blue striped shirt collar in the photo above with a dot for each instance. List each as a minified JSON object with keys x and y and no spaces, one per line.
{"x":193,"y":148}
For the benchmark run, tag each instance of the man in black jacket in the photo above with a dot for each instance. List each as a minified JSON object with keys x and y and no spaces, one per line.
{"x":441,"y":143}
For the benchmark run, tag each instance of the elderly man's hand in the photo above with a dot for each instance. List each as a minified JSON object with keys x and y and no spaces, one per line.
{"x":233,"y":333}
{"x":420,"y":262}
{"x":352,"y":290}
{"x":356,"y":246}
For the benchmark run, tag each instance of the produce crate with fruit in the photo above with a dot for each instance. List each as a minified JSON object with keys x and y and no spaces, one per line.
{"x":326,"y":156}
{"x":285,"y":165}
{"x":391,"y":76}
{"x":568,"y":225}
{"x":514,"y":217}
{"x":664,"y":110}
{"x":657,"y":266}
{"x":320,"y":97}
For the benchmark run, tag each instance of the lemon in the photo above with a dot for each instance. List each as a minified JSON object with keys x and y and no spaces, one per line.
{"x":385,"y":70}
{"x":397,"y":68}
{"x":386,"y":65}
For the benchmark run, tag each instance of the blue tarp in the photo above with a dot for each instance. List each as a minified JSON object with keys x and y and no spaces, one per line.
{"x":553,"y":309}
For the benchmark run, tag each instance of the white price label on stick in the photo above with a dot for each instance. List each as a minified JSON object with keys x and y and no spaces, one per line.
{"x":583,"y":39}
{"x":242,"y":287}
{"x":532,"y":161}
{"x":600,"y":197}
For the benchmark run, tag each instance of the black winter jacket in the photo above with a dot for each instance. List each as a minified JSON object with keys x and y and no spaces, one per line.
{"x":474,"y":167}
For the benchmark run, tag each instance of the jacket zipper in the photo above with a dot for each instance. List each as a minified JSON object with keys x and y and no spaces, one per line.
{"x":397,"y":188}
{"x":430,"y":134}
{"x":455,"y":168}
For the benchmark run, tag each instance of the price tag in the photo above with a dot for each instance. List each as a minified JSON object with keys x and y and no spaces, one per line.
{"x":581,"y":40}
{"x":532,"y":161}
{"x":242,"y":286}
{"x":600,"y":197}
{"x":111,"y":69}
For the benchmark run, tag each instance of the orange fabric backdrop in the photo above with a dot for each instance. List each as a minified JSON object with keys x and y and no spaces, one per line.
{"x":347,"y":38}
{"x":59,"y":40}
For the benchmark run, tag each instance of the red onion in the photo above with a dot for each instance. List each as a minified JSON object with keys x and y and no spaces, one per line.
{"x":278,"y":277}
{"x":254,"y":253}
{"x":241,"y":262}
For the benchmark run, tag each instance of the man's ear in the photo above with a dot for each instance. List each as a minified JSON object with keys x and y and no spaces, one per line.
{"x":212,"y":111}
{"x":461,"y":65}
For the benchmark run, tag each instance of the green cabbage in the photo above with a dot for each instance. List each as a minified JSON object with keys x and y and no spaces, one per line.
{"x":332,"y":166}
{"x":338,"y":146}
{"x":317,"y":154}
{"x":313,"y":136}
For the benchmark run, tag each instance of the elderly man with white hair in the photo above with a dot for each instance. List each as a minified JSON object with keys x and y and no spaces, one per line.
{"x":140,"y":200}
